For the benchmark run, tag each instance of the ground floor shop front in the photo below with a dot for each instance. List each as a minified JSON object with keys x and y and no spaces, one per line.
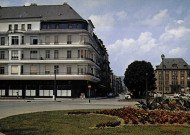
{"x":48,"y":88}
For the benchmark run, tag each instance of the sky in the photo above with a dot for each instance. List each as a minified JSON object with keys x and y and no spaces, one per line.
{"x":133,"y":29}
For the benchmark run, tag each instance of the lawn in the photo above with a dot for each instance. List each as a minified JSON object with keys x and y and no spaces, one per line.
{"x":60,"y":123}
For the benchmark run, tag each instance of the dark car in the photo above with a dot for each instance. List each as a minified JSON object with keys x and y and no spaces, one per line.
{"x":110,"y":95}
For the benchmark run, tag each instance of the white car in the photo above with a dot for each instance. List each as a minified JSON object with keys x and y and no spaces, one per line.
{"x":127,"y":96}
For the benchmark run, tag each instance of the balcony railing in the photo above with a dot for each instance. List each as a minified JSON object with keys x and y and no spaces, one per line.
{"x":16,"y":30}
{"x":57,"y":58}
{"x":52,"y":73}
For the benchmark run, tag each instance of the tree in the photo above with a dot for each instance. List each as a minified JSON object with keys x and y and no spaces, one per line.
{"x":135,"y":78}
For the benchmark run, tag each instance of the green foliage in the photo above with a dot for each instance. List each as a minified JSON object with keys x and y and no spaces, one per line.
{"x":135,"y":77}
{"x":166,"y":104}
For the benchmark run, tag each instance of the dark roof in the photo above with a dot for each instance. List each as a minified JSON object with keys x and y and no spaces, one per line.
{"x":170,"y":62}
{"x":44,"y":12}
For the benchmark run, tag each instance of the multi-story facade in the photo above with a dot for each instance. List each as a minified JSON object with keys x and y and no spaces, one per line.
{"x":116,"y":84}
{"x":41,"y":44}
{"x":176,"y":76}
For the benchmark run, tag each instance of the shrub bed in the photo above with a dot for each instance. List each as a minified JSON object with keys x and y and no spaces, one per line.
{"x":137,"y":116}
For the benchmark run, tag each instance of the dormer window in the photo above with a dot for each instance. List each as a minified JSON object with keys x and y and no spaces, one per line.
{"x":174,"y":65}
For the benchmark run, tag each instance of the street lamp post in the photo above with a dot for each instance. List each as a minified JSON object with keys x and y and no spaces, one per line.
{"x":89,"y":87}
{"x":163,"y":57}
{"x":95,"y":92}
{"x":54,"y":95}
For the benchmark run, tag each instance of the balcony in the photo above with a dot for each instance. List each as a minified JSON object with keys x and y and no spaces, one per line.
{"x":50,"y":76}
{"x":57,"y":58}
{"x":16,"y":30}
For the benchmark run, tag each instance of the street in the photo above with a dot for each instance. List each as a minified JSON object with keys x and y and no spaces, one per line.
{"x":20,"y":106}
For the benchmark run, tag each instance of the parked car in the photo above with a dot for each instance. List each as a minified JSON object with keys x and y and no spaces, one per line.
{"x":127,"y":96}
{"x":110,"y":95}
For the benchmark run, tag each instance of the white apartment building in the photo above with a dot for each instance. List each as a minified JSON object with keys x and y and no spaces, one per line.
{"x":37,"y":41}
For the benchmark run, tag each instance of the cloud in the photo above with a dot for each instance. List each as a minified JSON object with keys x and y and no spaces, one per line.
{"x":103,"y":22}
{"x":156,"y":20}
{"x":121,"y":15}
{"x":123,"y":52}
{"x":4,"y":3}
{"x":180,"y":21}
{"x":177,"y":52}
{"x":179,"y":33}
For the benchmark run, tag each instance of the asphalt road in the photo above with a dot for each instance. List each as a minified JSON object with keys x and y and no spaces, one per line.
{"x":14,"y":107}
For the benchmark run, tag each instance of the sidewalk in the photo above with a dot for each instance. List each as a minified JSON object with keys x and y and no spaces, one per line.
{"x":12,"y":99}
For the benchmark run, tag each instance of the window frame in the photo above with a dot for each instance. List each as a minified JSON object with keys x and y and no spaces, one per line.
{"x":2,"y":40}
{"x":14,"y":40}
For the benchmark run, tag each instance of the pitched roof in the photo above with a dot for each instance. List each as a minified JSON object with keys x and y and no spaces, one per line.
{"x":169,"y":62}
{"x":44,"y":12}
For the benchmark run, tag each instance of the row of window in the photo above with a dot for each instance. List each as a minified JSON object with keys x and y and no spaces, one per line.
{"x":34,"y":54}
{"x":62,"y":26}
{"x":173,"y":82}
{"x":30,"y":93}
{"x":33,"y":70}
{"x":34,"y":40}
{"x":29,"y":27}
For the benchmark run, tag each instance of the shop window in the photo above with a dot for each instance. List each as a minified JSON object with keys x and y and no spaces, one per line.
{"x":16,"y":92}
{"x":30,"y":93}
{"x":64,"y":93}
{"x":46,"y":93}
{"x":2,"y":92}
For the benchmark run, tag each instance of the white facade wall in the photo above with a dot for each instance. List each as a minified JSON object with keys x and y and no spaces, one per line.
{"x":24,"y":50}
